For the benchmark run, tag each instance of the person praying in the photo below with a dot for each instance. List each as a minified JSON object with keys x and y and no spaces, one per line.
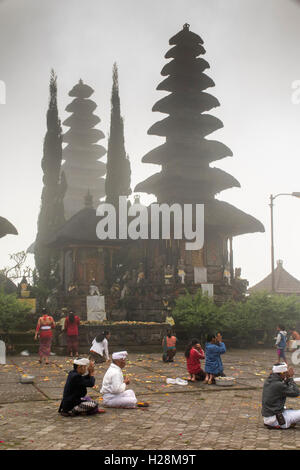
{"x":75,"y":402}
{"x":114,"y":385}
{"x":277,"y":387}
{"x":213,"y":364}
{"x":99,"y":349}
{"x":194,"y":353}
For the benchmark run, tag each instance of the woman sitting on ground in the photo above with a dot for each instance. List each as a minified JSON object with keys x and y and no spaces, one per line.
{"x":213,"y":366}
{"x":193,"y":354}
{"x":169,"y":347}
{"x":99,"y":350}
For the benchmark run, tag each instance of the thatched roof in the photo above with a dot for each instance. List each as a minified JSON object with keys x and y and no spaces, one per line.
{"x":81,"y":106}
{"x":81,"y":90}
{"x":186,"y":36}
{"x":6,"y":228}
{"x":185,"y":103}
{"x":230,"y":220}
{"x":7,"y":285}
{"x":83,"y":136}
{"x":202,"y":125}
{"x":285,"y":283}
{"x":195,"y":67}
{"x":179,"y":83}
{"x":183,"y":50}
{"x":208,"y":150}
{"x":201,"y":181}
{"x":80,"y":230}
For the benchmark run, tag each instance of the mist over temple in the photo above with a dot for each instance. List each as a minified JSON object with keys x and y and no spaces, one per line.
{"x":128,"y":285}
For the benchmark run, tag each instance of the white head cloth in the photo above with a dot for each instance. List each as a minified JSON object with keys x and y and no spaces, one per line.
{"x":279,"y":369}
{"x":119,"y":355}
{"x":82,"y":362}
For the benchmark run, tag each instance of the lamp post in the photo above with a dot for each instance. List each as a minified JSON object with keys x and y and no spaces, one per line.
{"x":272,"y":198}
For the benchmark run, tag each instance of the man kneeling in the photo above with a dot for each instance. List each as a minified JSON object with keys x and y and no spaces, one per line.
{"x":113,"y":388}
{"x":277,"y":387}
{"x":75,"y":402}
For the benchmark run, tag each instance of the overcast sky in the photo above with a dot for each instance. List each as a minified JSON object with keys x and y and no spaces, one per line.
{"x":253,"y":49}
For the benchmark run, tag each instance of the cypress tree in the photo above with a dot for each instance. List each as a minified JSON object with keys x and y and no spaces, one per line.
{"x":82,"y":168}
{"x":118,"y":165}
{"x":51,"y":215}
{"x":186,"y":176}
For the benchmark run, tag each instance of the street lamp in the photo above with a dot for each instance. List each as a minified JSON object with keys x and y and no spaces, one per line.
{"x":272,"y":198}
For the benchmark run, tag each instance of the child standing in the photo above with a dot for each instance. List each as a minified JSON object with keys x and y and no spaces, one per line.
{"x":281,"y":340}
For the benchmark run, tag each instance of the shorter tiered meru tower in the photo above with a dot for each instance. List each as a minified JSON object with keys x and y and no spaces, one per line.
{"x":83,"y":170}
{"x":186,"y":175}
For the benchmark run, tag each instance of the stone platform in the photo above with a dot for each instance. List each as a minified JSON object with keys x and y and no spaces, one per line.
{"x":195,"y":416}
{"x":127,"y":335}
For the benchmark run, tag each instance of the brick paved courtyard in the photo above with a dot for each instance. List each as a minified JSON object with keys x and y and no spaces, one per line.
{"x":195,"y":416}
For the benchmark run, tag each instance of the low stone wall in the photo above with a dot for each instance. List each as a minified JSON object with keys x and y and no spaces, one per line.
{"x":132,"y":337}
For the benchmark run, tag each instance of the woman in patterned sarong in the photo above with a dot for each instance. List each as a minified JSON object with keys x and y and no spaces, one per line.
{"x":44,"y":328}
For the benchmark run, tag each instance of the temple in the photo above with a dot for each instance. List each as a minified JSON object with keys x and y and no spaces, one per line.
{"x":186,"y":175}
{"x":284,"y":282}
{"x":141,"y":278}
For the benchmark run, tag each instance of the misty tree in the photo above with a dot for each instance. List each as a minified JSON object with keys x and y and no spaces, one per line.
{"x":118,"y":165}
{"x":82,"y":167}
{"x":51,"y":215}
{"x":18,"y":267}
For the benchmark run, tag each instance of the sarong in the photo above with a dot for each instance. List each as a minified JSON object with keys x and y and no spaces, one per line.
{"x":169,"y":353}
{"x":72,"y":343}
{"x":290,"y":416}
{"x":45,"y":346}
{"x":85,"y":408}
{"x":125,"y":399}
{"x":96,"y":357}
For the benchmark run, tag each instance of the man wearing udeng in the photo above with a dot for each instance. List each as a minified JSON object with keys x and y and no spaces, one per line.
{"x":114,"y":385}
{"x":277,"y":387}
{"x":75,"y":401}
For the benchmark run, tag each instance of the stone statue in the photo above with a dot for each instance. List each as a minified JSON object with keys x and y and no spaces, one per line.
{"x":168,"y":274}
{"x":93,"y":289}
{"x":141,"y":274}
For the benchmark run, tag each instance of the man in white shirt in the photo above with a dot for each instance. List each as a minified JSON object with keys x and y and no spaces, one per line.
{"x":114,"y":385}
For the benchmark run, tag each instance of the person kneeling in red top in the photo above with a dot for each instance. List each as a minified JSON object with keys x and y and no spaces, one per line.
{"x":193,"y":354}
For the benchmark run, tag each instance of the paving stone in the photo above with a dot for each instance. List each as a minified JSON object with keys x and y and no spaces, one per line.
{"x":202,"y":417}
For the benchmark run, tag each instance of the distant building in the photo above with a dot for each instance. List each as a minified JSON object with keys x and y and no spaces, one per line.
{"x":285,"y":283}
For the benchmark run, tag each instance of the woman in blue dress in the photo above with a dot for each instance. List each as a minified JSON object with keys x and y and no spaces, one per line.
{"x":213,"y":363}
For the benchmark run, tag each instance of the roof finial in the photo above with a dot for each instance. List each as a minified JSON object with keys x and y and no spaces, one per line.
{"x":186,"y":26}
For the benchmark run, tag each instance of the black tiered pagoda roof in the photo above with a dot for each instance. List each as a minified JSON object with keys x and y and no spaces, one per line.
{"x":186,"y":175}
